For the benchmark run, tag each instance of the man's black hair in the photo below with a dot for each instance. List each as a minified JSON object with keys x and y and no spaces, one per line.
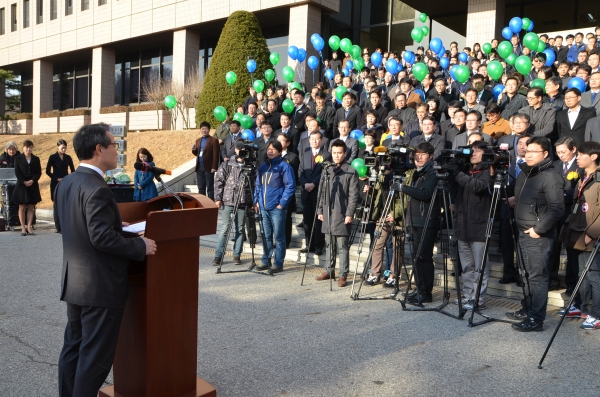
{"x":276,"y":145}
{"x":589,"y":148}
{"x":339,"y":143}
{"x":542,"y":141}
{"x":88,"y":137}
{"x":205,"y":124}
{"x":425,"y":147}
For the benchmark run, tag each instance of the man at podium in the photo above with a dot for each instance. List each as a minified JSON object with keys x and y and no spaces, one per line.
{"x":95,"y":260}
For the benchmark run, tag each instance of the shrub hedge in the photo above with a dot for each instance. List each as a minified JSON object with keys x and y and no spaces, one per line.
{"x":114,"y":109}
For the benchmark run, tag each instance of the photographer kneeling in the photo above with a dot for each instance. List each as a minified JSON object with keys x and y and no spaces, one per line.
{"x":472,"y":200}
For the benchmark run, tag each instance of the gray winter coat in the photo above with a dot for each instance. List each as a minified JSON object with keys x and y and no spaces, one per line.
{"x":343,"y":184}
{"x":228,"y":178}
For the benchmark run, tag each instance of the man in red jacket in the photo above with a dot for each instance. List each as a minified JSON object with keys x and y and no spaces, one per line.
{"x":206,"y":150}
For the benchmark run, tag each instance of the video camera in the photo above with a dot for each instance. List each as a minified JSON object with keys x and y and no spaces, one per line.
{"x":248,"y":155}
{"x":460,"y":156}
{"x":498,"y":156}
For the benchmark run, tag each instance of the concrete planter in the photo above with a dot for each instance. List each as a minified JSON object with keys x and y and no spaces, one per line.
{"x":24,"y":126}
{"x":112,"y":118}
{"x":47,"y":125}
{"x":73,"y":123}
{"x":146,"y":120}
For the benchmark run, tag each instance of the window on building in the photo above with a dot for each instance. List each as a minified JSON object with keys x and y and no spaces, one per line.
{"x":71,"y":86}
{"x":2,"y":21}
{"x":39,"y":11}
{"x":27,"y":91}
{"x":101,"y":2}
{"x":85,"y":5}
{"x":13,"y":17}
{"x":25,"y":14}
{"x":53,"y":9}
{"x":68,"y":7}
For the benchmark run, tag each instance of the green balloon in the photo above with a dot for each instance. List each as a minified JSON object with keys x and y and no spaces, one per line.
{"x":538,"y":83}
{"x":523,"y":65}
{"x":259,"y":85}
{"x":541,"y":46}
{"x":531,"y":41}
{"x":511,"y":59}
{"x":288,"y":74}
{"x":170,"y":101}
{"x":420,"y":70}
{"x":361,"y":142}
{"x":487,"y":48}
{"x":238,"y":116}
{"x":422,"y":17}
{"x":269,"y":75}
{"x":362,"y":171}
{"x":220,"y":113}
{"x":355,"y":51}
{"x":462,"y":73}
{"x":346,"y":45}
{"x":505,"y":49}
{"x":274,"y":58}
{"x":358,"y":162}
{"x":340,"y":91}
{"x":359,"y":64}
{"x":231,"y":77}
{"x":526,"y":23}
{"x":246,"y":121}
{"x":287,"y":106}
{"x":425,"y":30}
{"x":495,"y":69}
{"x":295,"y":85}
{"x":417,"y":35}
{"x":334,"y":42}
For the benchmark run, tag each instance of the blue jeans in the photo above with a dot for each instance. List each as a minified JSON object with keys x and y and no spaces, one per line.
{"x":238,"y":226}
{"x":274,"y":229}
{"x":536,"y":255}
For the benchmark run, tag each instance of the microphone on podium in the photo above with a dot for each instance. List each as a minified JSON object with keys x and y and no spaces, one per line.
{"x":145,"y":167}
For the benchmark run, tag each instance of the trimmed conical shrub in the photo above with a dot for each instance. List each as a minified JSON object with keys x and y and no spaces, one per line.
{"x":241,"y":40}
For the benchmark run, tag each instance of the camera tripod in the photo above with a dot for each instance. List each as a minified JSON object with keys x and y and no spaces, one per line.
{"x":445,"y":247}
{"x":588,"y":265}
{"x":499,"y":186}
{"x":323,"y":188}
{"x":245,"y":189}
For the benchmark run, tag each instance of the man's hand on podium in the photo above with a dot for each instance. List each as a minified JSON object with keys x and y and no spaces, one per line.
{"x":150,"y":246}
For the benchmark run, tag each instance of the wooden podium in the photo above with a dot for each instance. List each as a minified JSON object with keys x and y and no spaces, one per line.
{"x":158,"y":341}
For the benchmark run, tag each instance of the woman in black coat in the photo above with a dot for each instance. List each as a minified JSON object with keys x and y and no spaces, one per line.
{"x":58,"y":165}
{"x":7,"y":159}
{"x":28,"y":170}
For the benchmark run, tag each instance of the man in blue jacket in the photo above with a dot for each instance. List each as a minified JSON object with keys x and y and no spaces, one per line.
{"x":275,"y":186}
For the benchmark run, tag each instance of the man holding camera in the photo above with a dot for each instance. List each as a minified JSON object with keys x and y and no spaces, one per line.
{"x":539,"y":206}
{"x":228,"y":179}
{"x":343,"y":199}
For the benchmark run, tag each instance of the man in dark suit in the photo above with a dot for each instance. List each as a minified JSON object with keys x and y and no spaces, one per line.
{"x":436,"y":140}
{"x":351,"y":143}
{"x":228,"y":147}
{"x":402,"y":111}
{"x":325,"y":113}
{"x":95,"y":261}
{"x":310,"y":176}
{"x":300,"y":111}
{"x":294,"y":161}
{"x":484,"y":97}
{"x":206,"y":150}
{"x":591,"y":99}
{"x":571,"y":122}
{"x":312,"y":125}
{"x":349,"y":111}
{"x":272,"y":115}
{"x":263,"y":142}
{"x":592,"y":130}
{"x":473,"y":122}
{"x":285,"y":121}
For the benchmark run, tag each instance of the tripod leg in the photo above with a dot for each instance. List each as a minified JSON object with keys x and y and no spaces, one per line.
{"x":573,"y":295}
{"x":312,"y":230}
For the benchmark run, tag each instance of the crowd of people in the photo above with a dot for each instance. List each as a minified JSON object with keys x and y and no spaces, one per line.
{"x":551,"y":133}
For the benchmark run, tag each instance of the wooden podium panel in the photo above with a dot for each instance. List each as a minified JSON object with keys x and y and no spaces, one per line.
{"x":158,"y":341}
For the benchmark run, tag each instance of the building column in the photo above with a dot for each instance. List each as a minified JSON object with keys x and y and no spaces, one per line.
{"x":42,"y":97}
{"x":305,"y":20}
{"x":484,"y":21}
{"x":186,"y":47}
{"x":103,"y":80}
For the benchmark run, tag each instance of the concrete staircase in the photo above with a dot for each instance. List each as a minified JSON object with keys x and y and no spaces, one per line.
{"x":555,"y":298}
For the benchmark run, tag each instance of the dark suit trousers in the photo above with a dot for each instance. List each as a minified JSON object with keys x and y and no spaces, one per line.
{"x":424,"y":270}
{"x":206,"y":183}
{"x":288,"y":220}
{"x":89,"y":349}
{"x":309,"y":209}
{"x":508,"y":249}
{"x":572,"y":267}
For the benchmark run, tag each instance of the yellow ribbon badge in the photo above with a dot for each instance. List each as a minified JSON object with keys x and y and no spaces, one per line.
{"x":318,"y":159}
{"x":572,"y":175}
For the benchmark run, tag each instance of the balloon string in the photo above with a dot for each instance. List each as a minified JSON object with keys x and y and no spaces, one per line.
{"x":232,"y":103}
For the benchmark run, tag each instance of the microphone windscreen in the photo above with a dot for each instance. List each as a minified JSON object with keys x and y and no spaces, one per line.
{"x":140,"y":166}
{"x":167,"y":172}
{"x":380,"y":149}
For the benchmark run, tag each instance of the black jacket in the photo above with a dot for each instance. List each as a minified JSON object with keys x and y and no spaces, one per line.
{"x":7,"y":161}
{"x":563,"y":126}
{"x":354,"y":117}
{"x":539,"y":195}
{"x":472,"y":199}
{"x":326,"y":115}
{"x":420,"y":193}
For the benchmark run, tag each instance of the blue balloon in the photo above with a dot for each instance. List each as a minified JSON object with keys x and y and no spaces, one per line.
{"x":376,"y":59}
{"x":530,"y":27}
{"x":420,"y":93}
{"x":444,"y":63}
{"x":248,"y":135}
{"x":463,"y":57}
{"x":313,"y":62}
{"x":409,"y":57}
{"x":515,"y":25}
{"x":346,"y":72}
{"x":452,"y":69}
{"x":507,"y":33}
{"x":356,"y":134}
{"x":293,"y":52}
{"x":349,"y":64}
{"x":391,"y":66}
{"x":338,"y":101}
{"x":550,"y":56}
{"x":251,"y":65}
{"x":314,"y":37}
{"x":330,"y":74}
{"x":318,"y":44}
{"x":388,"y":137}
{"x":435,"y":45}
{"x":577,"y":82}
{"x":301,"y":55}
{"x":497,"y":90}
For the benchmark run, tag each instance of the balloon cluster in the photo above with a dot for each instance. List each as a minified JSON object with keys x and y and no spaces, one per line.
{"x":530,"y":40}
{"x":417,"y":33}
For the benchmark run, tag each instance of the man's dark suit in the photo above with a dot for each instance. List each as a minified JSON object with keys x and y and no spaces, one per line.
{"x":228,"y":148}
{"x":294,"y":161}
{"x":563,"y":127}
{"x":437,"y":141}
{"x":592,"y":130}
{"x":486,"y":98}
{"x":305,"y":143}
{"x":462,"y":139}
{"x":94,"y":279}
{"x":261,"y":153}
{"x":354,"y":117}
{"x":326,"y":115}
{"x":310,"y":172}
{"x":351,"y":148}
{"x":294,"y":138}
{"x":299,"y":117}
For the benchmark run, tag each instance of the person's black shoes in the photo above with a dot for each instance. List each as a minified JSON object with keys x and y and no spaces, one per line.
{"x":301,"y":224}
{"x":519,"y":315}
{"x":553,"y":286}
{"x":507,"y":280}
{"x":237,"y":260}
{"x":304,"y":250}
{"x":419,"y":299}
{"x":276,"y":269}
{"x":569,"y":291}
{"x":529,"y":325}
{"x":411,"y":294}
{"x":318,"y":251}
{"x":519,"y":282}
{"x":216,"y":262}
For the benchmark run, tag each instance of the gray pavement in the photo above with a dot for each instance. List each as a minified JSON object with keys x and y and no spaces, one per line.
{"x":263,"y":336}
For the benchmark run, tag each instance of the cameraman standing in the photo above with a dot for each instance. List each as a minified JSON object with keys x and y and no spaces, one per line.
{"x":472,"y":200}
{"x":539,"y":205}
